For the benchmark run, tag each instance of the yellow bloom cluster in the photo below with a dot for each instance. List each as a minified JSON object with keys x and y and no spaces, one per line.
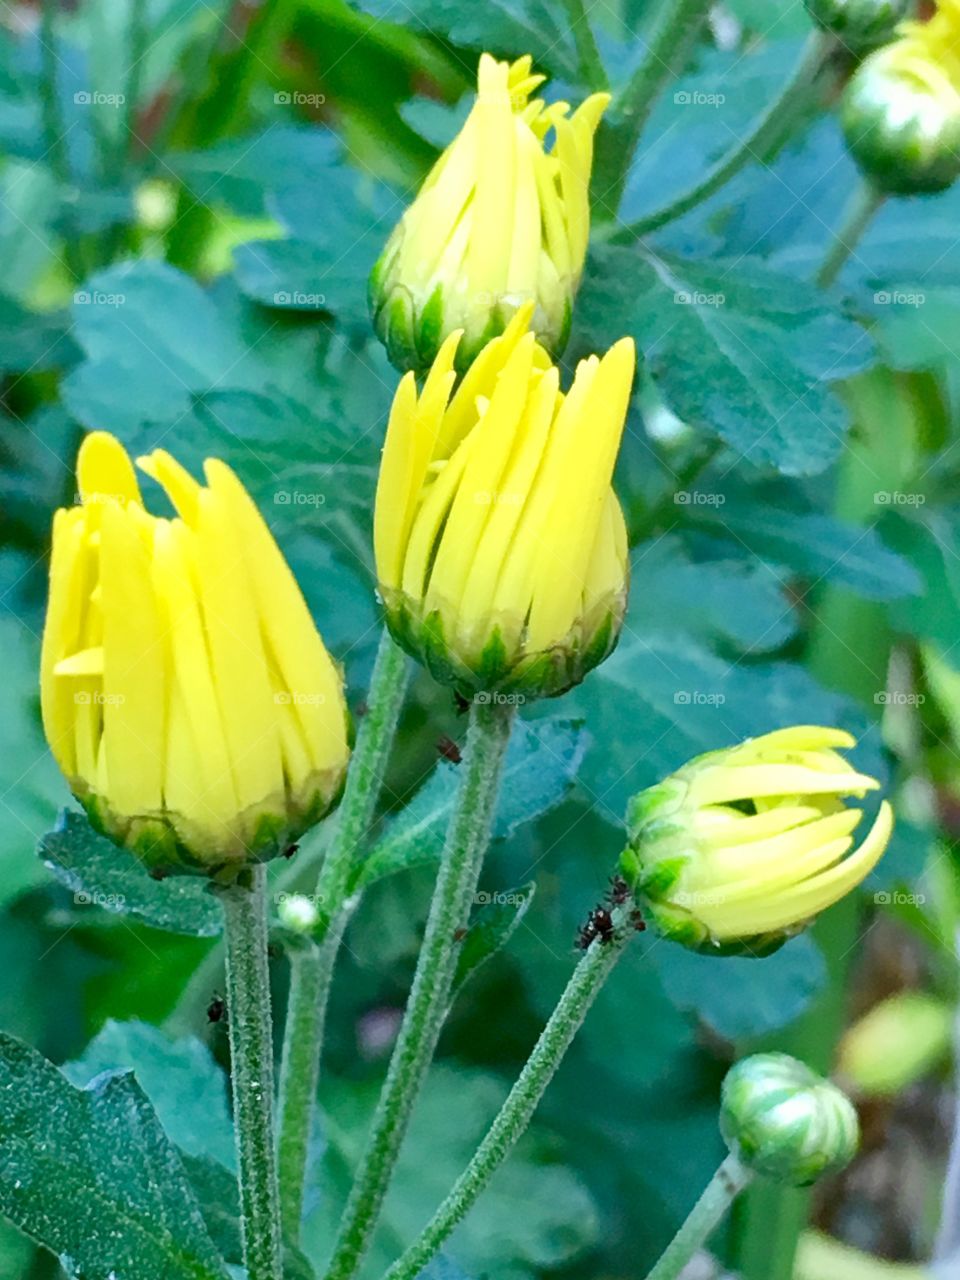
{"x":186,"y":693}
{"x":500,"y":546}
{"x":501,"y":220}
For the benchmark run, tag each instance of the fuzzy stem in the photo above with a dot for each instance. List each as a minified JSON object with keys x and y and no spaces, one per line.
{"x":864,"y":203}
{"x":466,"y":843}
{"x":312,"y":963}
{"x":723,"y":1188}
{"x":517,"y":1111}
{"x":251,"y":1054}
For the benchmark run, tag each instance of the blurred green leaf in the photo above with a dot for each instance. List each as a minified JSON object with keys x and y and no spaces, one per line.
{"x":540,"y":768}
{"x":102,"y":875}
{"x":491,"y":929}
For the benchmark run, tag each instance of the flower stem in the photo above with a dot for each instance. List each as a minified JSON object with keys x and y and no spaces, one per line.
{"x":760,"y":142}
{"x":517,"y":1111}
{"x":312,"y":962}
{"x":251,"y":1053}
{"x":676,"y":31}
{"x":864,"y":203}
{"x":591,"y":64}
{"x":466,"y":842}
{"x":388,"y":684}
{"x":723,"y":1188}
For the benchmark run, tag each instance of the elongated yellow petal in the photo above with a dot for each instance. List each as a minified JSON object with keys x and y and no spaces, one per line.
{"x":105,"y":472}
{"x":396,"y":491}
{"x":720,"y":785}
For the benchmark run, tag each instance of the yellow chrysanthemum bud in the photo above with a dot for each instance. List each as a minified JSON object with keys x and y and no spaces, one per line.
{"x":501,"y":220}
{"x":901,"y":110}
{"x":500,"y":546}
{"x":186,"y":693}
{"x":741,"y":848}
{"x":785,"y":1122}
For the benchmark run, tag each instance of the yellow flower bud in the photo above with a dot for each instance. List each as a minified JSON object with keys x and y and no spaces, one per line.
{"x":186,"y":693}
{"x":500,"y":220}
{"x":741,"y":848}
{"x":500,"y":545}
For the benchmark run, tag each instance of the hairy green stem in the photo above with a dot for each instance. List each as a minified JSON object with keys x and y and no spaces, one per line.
{"x":864,"y":203}
{"x":591,"y":64}
{"x":375,"y":736}
{"x":723,"y":1188}
{"x":312,"y":963}
{"x":251,"y":1056}
{"x":522,"y":1101}
{"x":466,"y":842}
{"x":678,"y":25}
{"x":760,"y":142}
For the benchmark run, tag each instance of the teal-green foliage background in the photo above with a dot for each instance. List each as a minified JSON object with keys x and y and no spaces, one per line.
{"x":205,"y":291}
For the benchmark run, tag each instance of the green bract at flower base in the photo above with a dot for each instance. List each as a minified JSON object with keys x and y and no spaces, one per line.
{"x":783,"y":1121}
{"x":858,"y":24}
{"x":741,"y":848}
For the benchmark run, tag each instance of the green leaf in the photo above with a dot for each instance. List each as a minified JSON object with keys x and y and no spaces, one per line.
{"x":663,"y":697}
{"x":740,"y":996}
{"x":219,"y":1199}
{"x":181,"y":1081}
{"x":540,"y":769}
{"x":734,"y":349}
{"x":817,"y":547}
{"x":505,"y":27}
{"x":30,"y":784}
{"x":101,"y":874}
{"x":491,"y":929}
{"x":559,"y":1219}
{"x":90,"y":1174}
{"x":734,"y":601}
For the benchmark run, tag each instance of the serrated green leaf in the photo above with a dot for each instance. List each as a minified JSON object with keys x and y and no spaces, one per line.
{"x":491,"y":929}
{"x":90,"y":1174}
{"x":102,"y":875}
{"x":181,"y":1080}
{"x":541,"y":766}
{"x":735,"y":350}
{"x":819,"y":548}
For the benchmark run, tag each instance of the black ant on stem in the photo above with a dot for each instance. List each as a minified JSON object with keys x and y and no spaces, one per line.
{"x":599,"y":923}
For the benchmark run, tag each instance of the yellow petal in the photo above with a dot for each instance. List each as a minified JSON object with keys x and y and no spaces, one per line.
{"x":134,"y":679}
{"x":180,"y":486}
{"x":720,"y":785}
{"x":396,"y":492}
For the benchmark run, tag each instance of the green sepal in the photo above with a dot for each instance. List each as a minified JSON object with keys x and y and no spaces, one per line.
{"x":859,"y":24}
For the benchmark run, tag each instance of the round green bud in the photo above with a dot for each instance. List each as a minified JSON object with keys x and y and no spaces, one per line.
{"x":783,"y":1121}
{"x":858,"y":24}
{"x":298,"y":913}
{"x":901,"y":119}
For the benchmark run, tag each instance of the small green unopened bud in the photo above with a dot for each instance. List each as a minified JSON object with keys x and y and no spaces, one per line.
{"x":298,"y":913}
{"x":783,"y":1121}
{"x":901,"y":110}
{"x":858,"y":24}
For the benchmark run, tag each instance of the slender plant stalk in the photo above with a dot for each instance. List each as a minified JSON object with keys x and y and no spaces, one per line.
{"x":375,"y":736}
{"x":54,"y":134}
{"x":723,"y":1188}
{"x":517,"y":1111}
{"x":760,"y":142}
{"x":864,"y":203}
{"x":312,"y":964}
{"x":591,"y":64}
{"x":466,"y":842}
{"x":251,"y":1053}
{"x":299,"y":1076}
{"x":678,"y":26}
